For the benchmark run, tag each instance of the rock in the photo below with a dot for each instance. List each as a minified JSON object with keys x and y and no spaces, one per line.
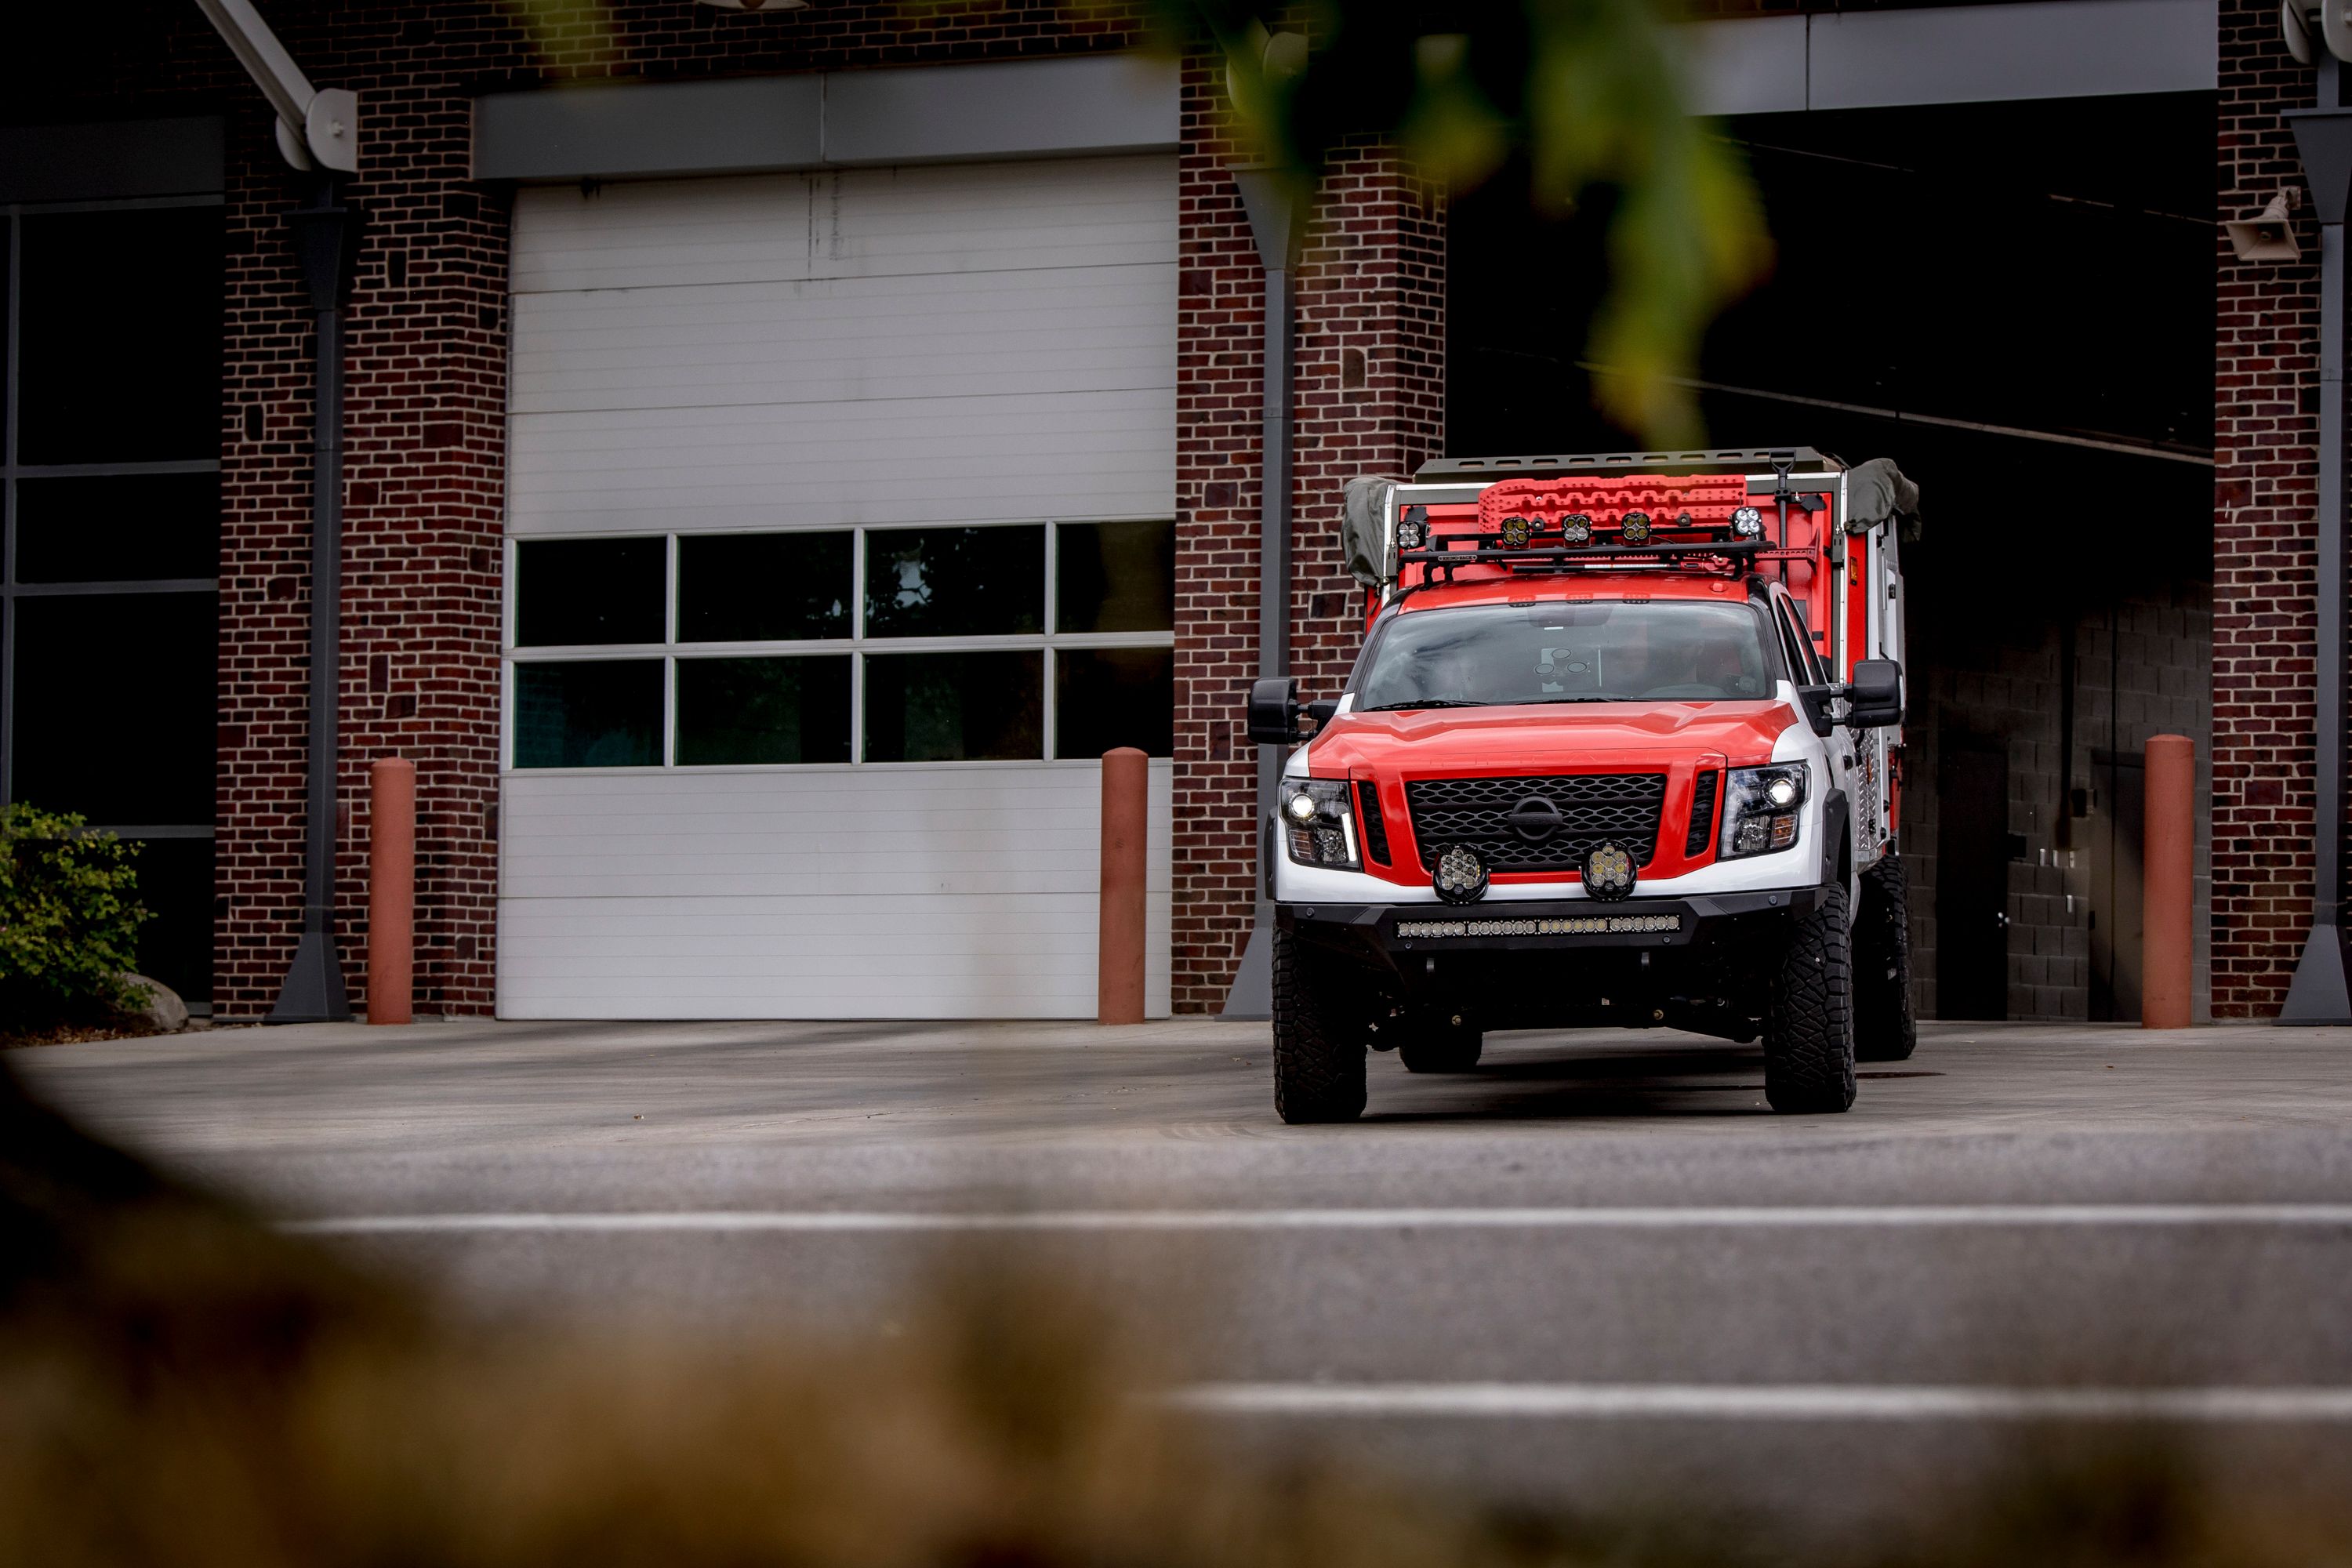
{"x":156,"y":1004}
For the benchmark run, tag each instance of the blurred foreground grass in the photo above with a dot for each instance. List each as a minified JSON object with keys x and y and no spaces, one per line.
{"x":181,"y":1385}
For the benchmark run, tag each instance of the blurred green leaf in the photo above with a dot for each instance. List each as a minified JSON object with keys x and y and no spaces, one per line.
{"x":1588,"y":90}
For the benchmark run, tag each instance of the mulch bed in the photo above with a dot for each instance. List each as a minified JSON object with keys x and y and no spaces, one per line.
{"x":72,"y":1035}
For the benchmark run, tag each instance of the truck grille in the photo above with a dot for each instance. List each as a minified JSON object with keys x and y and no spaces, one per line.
{"x":1591,"y":807}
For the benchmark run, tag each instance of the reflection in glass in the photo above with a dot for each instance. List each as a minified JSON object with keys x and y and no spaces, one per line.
{"x":949,"y":707}
{"x":1114,"y":576}
{"x":116,"y":705}
{"x":594,"y":713}
{"x":763,"y":709}
{"x":116,"y":527}
{"x":954,"y":582}
{"x":763,"y":587}
{"x":121,"y":354}
{"x":571,"y":592}
{"x":1114,"y":697}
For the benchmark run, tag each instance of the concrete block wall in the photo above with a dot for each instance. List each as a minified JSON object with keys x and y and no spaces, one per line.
{"x":2141,"y":668}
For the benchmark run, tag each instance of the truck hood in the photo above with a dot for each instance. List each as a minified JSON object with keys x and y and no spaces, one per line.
{"x":1431,"y":742}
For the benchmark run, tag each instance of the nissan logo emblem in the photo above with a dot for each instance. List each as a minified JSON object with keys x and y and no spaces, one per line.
{"x":1534,"y":819}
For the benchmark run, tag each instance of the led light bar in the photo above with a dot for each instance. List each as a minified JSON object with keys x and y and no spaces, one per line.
{"x":1562,"y":925}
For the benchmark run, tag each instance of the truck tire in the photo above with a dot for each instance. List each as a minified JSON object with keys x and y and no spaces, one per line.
{"x":1318,"y":1038}
{"x":1809,"y":1016}
{"x":1884,"y":1027}
{"x":1437,"y":1044}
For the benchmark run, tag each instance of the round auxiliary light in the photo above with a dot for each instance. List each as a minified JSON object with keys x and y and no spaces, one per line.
{"x":1636,"y":528}
{"x":1576,"y":528}
{"x":1747,"y":523}
{"x":1514,"y":533}
{"x":1461,"y":876}
{"x":1412,"y":535}
{"x":1609,"y":871}
{"x":1301,"y":807}
{"x":1781,"y":792}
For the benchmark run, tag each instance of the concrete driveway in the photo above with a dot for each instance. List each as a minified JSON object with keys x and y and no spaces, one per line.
{"x":1596,"y":1264}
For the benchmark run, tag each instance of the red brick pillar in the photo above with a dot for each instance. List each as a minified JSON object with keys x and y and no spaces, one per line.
{"x":2265,"y":495}
{"x":1371,"y":383}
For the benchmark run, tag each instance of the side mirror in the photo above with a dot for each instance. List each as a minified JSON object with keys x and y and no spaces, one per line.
{"x":1319,"y":713}
{"x":1874,"y":698}
{"x":1273,"y":712}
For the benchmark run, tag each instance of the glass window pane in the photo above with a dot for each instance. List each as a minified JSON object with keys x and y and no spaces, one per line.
{"x":121,"y":317}
{"x":572,"y":591}
{"x":763,"y":709}
{"x":594,"y":713}
{"x":1114,"y":697}
{"x":763,"y":587}
{"x":175,"y":883}
{"x":949,"y":707}
{"x":1114,"y":576}
{"x":118,"y":527}
{"x":116,"y":706}
{"x":954,"y":582}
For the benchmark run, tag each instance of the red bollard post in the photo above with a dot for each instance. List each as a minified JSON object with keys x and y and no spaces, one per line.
{"x":391,"y":889}
{"x":2170,"y":856}
{"x":1125,"y":812}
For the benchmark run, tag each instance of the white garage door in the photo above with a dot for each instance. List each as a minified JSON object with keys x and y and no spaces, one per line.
{"x":841,"y":544}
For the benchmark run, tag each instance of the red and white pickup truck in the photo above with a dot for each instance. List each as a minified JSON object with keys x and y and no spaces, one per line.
{"x":1620,"y":748}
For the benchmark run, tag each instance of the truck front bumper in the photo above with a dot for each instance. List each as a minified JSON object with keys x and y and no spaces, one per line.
{"x":1700,"y":961}
{"x":1400,"y":935}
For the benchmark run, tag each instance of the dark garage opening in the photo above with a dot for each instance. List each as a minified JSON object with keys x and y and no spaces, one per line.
{"x":2016,"y":302}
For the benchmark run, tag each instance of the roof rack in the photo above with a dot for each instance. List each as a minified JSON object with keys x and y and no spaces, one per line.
{"x":1739,"y":460}
{"x":1445,"y":553}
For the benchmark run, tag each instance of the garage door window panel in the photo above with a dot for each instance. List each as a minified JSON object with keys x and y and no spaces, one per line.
{"x":954,"y":706}
{"x":763,"y":711}
{"x":1110,"y":696}
{"x":955,"y":582}
{"x":588,"y":713}
{"x":1115,"y":577}
{"x":581,"y":592}
{"x":765,"y":587}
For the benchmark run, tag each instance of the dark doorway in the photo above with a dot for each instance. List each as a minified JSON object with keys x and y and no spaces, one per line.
{"x":2117,"y":834}
{"x":1972,"y":885}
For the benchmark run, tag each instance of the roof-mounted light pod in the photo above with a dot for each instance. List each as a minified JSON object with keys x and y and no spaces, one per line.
{"x":1514,"y":533}
{"x":1747,"y":523}
{"x":1576,"y":529}
{"x":1636,"y":528}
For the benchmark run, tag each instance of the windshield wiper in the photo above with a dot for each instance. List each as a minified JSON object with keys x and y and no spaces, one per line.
{"x":1427,"y":702}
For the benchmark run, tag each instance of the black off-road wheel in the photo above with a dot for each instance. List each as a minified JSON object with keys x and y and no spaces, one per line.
{"x":1319,"y":1032}
{"x":1809,"y":1019}
{"x":1884,"y":1027}
{"x":1440,"y":1042}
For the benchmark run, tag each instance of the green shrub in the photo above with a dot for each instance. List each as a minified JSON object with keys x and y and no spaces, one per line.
{"x":70,"y":918}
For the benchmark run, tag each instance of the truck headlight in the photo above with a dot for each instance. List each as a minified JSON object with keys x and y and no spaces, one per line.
{"x":1762,"y":810}
{"x":1318,"y":823}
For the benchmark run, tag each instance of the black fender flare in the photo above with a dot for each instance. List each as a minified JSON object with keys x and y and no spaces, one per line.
{"x":1837,"y":813}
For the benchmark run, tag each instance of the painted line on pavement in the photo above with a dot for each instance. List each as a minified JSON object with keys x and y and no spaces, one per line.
{"x":1755,"y":1216}
{"x":1770,"y":1402}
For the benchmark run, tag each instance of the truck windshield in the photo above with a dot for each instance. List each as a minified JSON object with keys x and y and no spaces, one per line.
{"x":1672,"y":650}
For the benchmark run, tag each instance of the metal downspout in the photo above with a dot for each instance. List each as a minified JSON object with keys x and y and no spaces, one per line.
{"x":1277,"y":207}
{"x":326,"y":237}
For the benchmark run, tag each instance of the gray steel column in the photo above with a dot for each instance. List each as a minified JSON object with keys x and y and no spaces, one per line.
{"x":1276,"y":203}
{"x":2320,"y":994}
{"x":326,"y":237}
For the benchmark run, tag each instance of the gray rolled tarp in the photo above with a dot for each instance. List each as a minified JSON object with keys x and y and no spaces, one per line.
{"x":1364,"y":527}
{"x":1876,"y":491}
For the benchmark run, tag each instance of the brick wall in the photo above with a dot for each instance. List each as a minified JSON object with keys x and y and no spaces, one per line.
{"x":2265,"y":479}
{"x":1369,"y":378}
{"x":426,"y":393}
